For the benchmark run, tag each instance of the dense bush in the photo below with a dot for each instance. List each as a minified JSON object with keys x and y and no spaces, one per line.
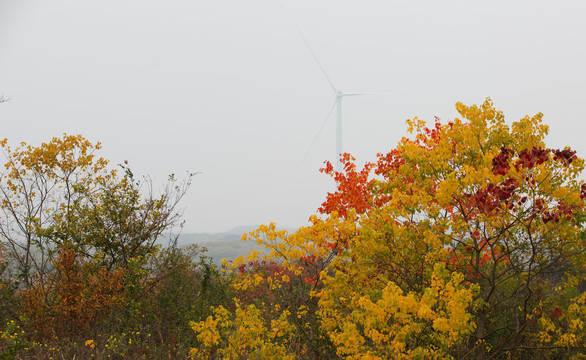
{"x":141,"y":312}
{"x":80,"y":271}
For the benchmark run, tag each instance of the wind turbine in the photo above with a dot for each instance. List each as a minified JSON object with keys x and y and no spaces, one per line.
{"x":338,"y":104}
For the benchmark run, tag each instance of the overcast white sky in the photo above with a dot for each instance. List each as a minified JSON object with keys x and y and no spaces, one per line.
{"x":229,"y":88}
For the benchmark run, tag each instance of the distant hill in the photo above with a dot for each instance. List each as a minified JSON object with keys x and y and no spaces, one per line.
{"x":224,"y":245}
{"x":200,"y":238}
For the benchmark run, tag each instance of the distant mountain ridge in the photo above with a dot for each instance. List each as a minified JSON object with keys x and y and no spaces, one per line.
{"x":200,"y":238}
{"x":223,"y":245}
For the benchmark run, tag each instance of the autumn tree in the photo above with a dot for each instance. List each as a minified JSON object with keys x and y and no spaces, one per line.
{"x":491,"y":202}
{"x":39,"y":182}
{"x":61,"y":194}
{"x":465,"y":241}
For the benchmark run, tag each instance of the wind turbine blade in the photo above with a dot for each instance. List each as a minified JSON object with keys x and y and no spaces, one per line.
{"x":319,"y":131}
{"x":316,"y":60}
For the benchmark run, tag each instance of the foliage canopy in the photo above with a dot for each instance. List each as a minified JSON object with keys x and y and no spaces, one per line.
{"x":465,"y":241}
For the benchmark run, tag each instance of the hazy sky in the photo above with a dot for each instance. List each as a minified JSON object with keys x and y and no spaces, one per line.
{"x":229,"y":88}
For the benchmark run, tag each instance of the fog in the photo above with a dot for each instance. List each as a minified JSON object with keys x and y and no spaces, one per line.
{"x":229,"y":88}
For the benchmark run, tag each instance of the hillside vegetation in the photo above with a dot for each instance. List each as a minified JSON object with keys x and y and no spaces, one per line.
{"x":465,"y":241}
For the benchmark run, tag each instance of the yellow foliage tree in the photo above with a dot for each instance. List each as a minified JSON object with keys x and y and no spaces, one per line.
{"x":465,"y":241}
{"x":492,"y":203}
{"x":38,"y":183}
{"x":60,"y":194}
